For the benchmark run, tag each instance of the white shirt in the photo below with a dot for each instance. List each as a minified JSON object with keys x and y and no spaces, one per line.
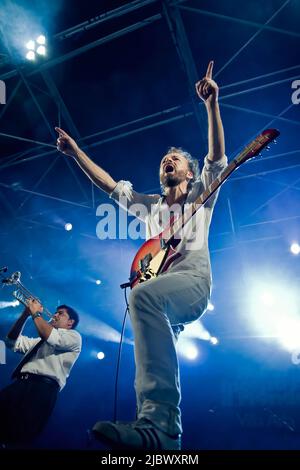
{"x":193,"y":247}
{"x":55,"y":358}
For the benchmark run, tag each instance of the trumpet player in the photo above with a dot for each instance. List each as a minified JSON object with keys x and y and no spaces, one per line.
{"x":27,"y":403}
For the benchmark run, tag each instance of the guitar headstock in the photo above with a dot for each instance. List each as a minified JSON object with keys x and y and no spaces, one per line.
{"x":257,"y":145}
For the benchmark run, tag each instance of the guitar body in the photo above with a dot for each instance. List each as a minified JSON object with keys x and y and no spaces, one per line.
{"x":152,"y":258}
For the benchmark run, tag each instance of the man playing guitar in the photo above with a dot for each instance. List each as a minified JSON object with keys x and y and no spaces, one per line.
{"x":178,"y":295}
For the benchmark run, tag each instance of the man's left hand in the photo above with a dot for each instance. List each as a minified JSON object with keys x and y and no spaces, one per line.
{"x":207,"y":89}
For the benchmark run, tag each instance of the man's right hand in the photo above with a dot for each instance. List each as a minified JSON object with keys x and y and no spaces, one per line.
{"x":34,"y":306}
{"x":66,"y":144}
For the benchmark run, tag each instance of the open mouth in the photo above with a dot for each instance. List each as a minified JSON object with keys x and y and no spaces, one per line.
{"x":169,"y":168}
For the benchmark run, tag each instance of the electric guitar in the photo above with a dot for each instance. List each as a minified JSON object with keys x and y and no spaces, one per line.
{"x":156,"y":254}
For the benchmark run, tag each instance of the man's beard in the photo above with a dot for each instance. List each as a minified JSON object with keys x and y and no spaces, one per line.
{"x":170,"y":180}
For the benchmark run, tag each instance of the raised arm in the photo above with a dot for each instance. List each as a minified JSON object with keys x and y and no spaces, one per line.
{"x":97,"y":175}
{"x":43,"y":327}
{"x":17,"y":327}
{"x":208,"y":90}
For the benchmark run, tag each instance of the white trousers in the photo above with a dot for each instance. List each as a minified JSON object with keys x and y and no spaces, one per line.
{"x":170,"y":299}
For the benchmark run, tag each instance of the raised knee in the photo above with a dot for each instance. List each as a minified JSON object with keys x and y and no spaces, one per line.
{"x":138,"y":297}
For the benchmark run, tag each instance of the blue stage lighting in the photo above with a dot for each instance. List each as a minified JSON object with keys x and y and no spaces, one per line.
{"x":30,"y":45}
{"x":68,"y":227}
{"x":30,"y":55}
{"x":214,"y":340}
{"x":36,"y":46}
{"x":295,"y":248}
{"x":191,"y":352}
{"x":41,"y":50}
{"x":41,"y":40}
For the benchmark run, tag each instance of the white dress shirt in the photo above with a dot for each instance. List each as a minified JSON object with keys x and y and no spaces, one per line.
{"x":55,"y":358}
{"x":193,"y":248}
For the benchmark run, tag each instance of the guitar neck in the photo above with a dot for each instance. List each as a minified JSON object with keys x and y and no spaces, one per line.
{"x":170,"y":232}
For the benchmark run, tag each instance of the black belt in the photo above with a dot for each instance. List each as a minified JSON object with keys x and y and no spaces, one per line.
{"x":37,"y":378}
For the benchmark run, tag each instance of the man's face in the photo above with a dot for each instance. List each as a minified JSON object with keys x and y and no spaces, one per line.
{"x":174,"y":169}
{"x":61,"y":319}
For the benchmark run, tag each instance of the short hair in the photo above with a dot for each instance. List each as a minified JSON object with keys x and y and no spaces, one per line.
{"x":192,"y":162}
{"x":72,"y":314}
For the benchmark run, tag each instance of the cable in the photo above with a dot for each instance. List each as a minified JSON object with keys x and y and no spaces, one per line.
{"x":119,"y":358}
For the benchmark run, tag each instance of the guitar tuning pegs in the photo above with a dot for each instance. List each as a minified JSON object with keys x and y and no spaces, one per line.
{"x":275,"y":142}
{"x":268,"y":148}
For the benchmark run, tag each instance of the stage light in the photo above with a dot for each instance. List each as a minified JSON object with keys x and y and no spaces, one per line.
{"x":31,"y":45}
{"x":295,"y":248}
{"x":267,"y":298}
{"x":98,"y":282}
{"x":100,"y":355}
{"x":205,"y":335}
{"x":191,"y":352}
{"x":195,"y":330}
{"x":68,"y":227}
{"x":187,"y":348}
{"x":210,"y":306}
{"x":12,"y":303}
{"x":290,"y":335}
{"x":41,"y":50}
{"x":273,"y":310}
{"x":30,"y":55}
{"x":214,"y":340}
{"x":41,"y":39}
{"x":37,"y":45}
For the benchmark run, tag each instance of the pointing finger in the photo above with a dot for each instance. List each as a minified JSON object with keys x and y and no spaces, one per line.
{"x":61,"y":132}
{"x":209,"y":69}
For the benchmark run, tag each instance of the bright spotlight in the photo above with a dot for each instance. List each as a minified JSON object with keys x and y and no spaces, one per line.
{"x":30,"y":55}
{"x":41,"y":50}
{"x":289,"y":333}
{"x":191,"y":352}
{"x":195,"y":330}
{"x":206,"y":336}
{"x":41,"y":39}
{"x":12,"y":303}
{"x":100,"y":355}
{"x":68,"y":227}
{"x":187,"y":348}
{"x":38,"y":45}
{"x":295,"y":248}
{"x":30,"y":45}
{"x":210,"y":306}
{"x":267,"y":298}
{"x":274,"y":311}
{"x":98,"y":282}
{"x":214,"y":340}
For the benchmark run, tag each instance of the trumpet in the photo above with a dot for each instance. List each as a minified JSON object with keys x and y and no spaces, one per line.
{"x":21,"y":293}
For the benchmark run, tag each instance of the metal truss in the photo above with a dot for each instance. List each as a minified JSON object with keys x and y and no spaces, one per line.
{"x":181,"y":43}
{"x":171,"y":14}
{"x":233,"y":19}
